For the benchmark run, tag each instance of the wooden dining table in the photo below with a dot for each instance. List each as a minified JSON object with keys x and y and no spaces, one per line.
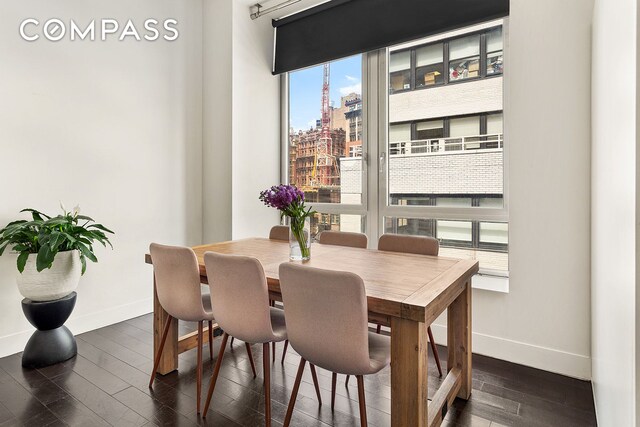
{"x":406,"y":292}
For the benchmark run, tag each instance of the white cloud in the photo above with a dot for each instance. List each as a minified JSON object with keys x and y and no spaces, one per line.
{"x":351,"y":78}
{"x":346,"y":90}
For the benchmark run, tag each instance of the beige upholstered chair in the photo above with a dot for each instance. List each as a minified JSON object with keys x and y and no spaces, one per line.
{"x":279,"y":232}
{"x":343,"y":238}
{"x":240,"y":303}
{"x":178,"y":286}
{"x":420,"y":245}
{"x":327,"y":322}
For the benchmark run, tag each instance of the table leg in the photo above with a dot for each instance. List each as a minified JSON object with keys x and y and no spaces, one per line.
{"x":169,"y":359}
{"x":459,"y":339}
{"x":408,"y":373}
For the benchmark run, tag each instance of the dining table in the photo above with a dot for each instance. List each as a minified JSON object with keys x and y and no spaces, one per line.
{"x":405,"y":292}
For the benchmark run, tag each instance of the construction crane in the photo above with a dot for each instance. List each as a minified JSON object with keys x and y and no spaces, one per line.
{"x":324,"y":159}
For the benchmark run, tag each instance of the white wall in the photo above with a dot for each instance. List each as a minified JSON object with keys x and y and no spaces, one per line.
{"x":217,"y":118}
{"x":256,"y":122}
{"x":114,"y":126}
{"x":544,"y":320}
{"x":614,"y":213}
{"x":242,"y":122}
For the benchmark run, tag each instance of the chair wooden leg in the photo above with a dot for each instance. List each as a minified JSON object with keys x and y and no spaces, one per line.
{"x":435,"y":350}
{"x":273,"y":350}
{"x":253,"y":366}
{"x":315,"y":382}
{"x":284,"y":351}
{"x":363,"y":407}
{"x":210,"y":340}
{"x":267,"y":385}
{"x":294,"y":393}
{"x":378,"y":329}
{"x":231,"y":345}
{"x":159,"y":355}
{"x":199,"y":369}
{"x":216,"y":370}
{"x":334,"y":377}
{"x":346,"y":382}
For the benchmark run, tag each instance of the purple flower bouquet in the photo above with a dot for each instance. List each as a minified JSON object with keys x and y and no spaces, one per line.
{"x":289,"y":200}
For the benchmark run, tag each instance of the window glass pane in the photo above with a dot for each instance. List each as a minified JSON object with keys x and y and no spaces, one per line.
{"x":399,"y":71}
{"x":461,"y":202}
{"x":494,"y":232}
{"x":464,"y":69}
{"x":464,"y":126}
{"x":430,"y":75}
{"x":428,"y":55}
{"x":492,"y":253}
{"x":429,"y":130}
{"x":494,"y":63}
{"x":453,"y":230}
{"x":494,"y":40}
{"x":400,"y":61}
{"x":336,"y":222}
{"x":494,"y":123}
{"x":491,"y":202}
{"x":324,"y":136}
{"x":464,"y":47}
{"x":432,"y":124}
{"x":400,"y":132}
{"x":400,"y":80}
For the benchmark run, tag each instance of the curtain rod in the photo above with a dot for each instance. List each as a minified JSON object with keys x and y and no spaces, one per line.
{"x":260,"y":11}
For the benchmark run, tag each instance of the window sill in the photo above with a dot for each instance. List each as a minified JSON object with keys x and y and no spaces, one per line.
{"x":491,"y":283}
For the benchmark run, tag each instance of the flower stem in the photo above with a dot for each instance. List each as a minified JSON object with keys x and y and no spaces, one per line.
{"x":297,"y":227}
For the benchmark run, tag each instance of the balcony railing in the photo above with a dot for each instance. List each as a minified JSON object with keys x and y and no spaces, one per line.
{"x":444,"y":145}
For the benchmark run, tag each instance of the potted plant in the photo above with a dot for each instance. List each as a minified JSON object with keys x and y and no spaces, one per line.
{"x":52,"y":251}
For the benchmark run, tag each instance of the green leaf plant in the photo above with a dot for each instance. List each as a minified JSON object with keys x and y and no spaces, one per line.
{"x":46,"y":236}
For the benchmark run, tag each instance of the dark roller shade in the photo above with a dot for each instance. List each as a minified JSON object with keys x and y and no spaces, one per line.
{"x":342,"y":28}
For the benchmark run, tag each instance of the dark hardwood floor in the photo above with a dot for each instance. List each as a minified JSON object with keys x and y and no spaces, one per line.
{"x":106,"y":384}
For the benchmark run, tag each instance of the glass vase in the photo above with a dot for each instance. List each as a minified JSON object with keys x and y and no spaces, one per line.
{"x":299,"y":239}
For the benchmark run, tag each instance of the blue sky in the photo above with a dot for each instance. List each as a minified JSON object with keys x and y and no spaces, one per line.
{"x":305,"y":89}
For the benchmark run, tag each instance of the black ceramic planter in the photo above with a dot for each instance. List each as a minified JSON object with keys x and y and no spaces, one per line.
{"x":52,"y":342}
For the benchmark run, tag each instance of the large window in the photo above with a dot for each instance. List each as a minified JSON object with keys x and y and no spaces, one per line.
{"x":392,"y":159}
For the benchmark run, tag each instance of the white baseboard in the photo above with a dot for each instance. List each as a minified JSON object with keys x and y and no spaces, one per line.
{"x":14,"y":343}
{"x":548,"y":359}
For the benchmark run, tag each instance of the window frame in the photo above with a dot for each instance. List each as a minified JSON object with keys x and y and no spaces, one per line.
{"x":479,"y":214}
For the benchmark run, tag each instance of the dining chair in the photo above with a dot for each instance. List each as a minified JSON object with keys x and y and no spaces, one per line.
{"x":177,"y":279}
{"x":420,"y":245}
{"x":240,"y":304}
{"x":343,"y":238}
{"x":327,"y":325}
{"x":279,"y":232}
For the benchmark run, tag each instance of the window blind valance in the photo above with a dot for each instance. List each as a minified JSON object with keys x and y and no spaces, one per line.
{"x":341,"y":28}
